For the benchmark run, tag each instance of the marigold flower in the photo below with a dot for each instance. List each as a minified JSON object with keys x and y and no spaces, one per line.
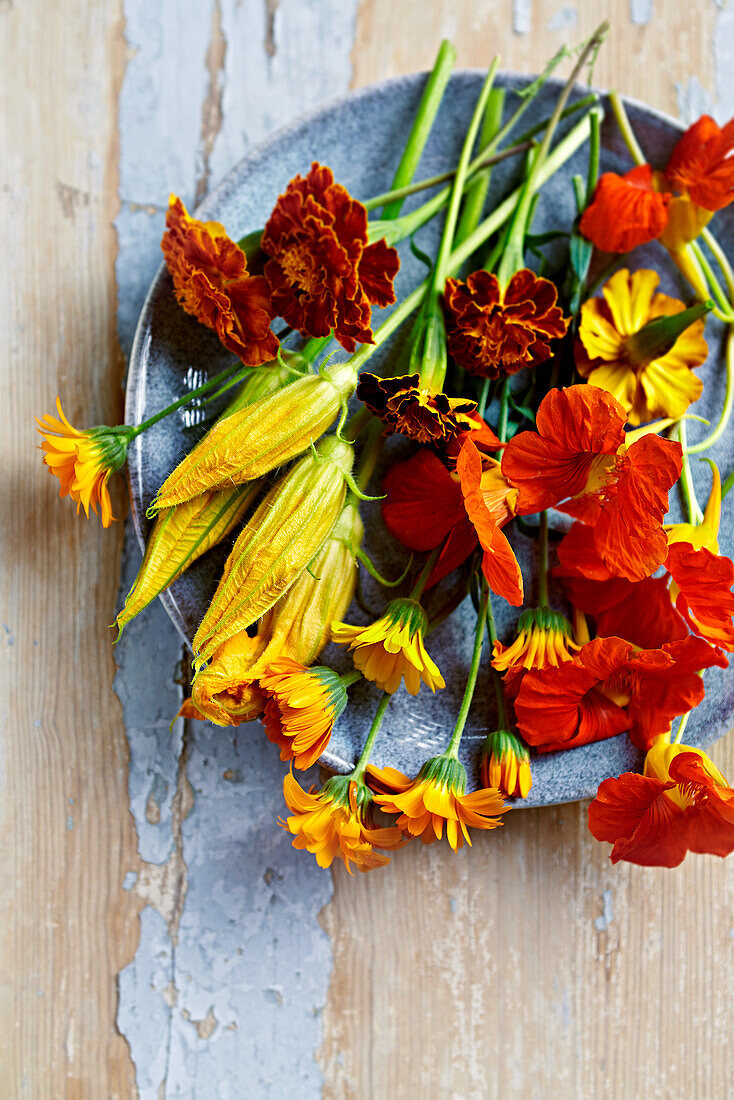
{"x":323,"y":274}
{"x":436,"y":798}
{"x":392,"y":649}
{"x":580,"y":461}
{"x":493,"y":332}
{"x":258,"y":437}
{"x":682,"y":803}
{"x":212,"y":283}
{"x":650,"y":377}
{"x":331,"y":824}
{"x":284,"y":534}
{"x":505,"y":764}
{"x":302,"y":705}
{"x":418,"y":413}
{"x":83,"y":461}
{"x":611,"y":686}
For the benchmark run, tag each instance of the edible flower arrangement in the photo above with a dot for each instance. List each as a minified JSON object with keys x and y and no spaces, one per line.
{"x":592,"y":372}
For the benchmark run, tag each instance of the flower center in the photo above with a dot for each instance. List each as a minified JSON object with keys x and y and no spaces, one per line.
{"x":299,"y":266}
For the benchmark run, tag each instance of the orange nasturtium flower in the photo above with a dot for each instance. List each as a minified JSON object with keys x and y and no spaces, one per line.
{"x":494,"y":332}
{"x":580,"y":461}
{"x":391,"y":648}
{"x":505,"y":764}
{"x":416,"y":412}
{"x":302,"y":705}
{"x":323,"y":273}
{"x":212,"y":283}
{"x":681,"y":803}
{"x":332,"y":824}
{"x":436,"y":798}
{"x":83,"y":461}
{"x":641,"y":347}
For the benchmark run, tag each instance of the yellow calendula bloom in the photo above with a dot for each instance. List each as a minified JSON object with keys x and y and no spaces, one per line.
{"x":543,"y":641}
{"x":260,"y":436}
{"x":392,"y":648}
{"x":505,"y":764}
{"x":642,"y":347}
{"x":284,"y":534}
{"x":331,"y":824}
{"x":302,"y":705}
{"x":83,"y":460}
{"x":434,"y":799}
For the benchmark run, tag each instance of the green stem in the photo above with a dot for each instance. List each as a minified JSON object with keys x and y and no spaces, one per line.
{"x":361,"y":764}
{"x":504,"y":407}
{"x":349,"y":678}
{"x":374,"y":442}
{"x":625,"y":129}
{"x":232,"y":375}
{"x":721,"y":259}
{"x":471,"y":683}
{"x":681,"y":727}
{"x":476,"y":192}
{"x":420,"y":584}
{"x":543,"y":560}
{"x":718,"y":431}
{"x":483,"y":395}
{"x":422,"y":124}
{"x":727,"y":485}
{"x":695,"y":515}
{"x":313,"y":347}
{"x":498,"y":688}
{"x":725,"y":312}
{"x":594,"y":154}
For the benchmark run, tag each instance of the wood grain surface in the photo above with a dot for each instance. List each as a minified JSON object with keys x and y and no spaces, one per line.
{"x":527,"y":965}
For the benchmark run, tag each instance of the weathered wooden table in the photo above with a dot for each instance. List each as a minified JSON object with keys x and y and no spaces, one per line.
{"x":160,"y":937}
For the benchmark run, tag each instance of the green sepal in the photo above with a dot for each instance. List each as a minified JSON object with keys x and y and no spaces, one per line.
{"x":659,"y":336}
{"x":445,"y":771}
{"x":503,"y":743}
{"x":112,"y":445}
{"x":409,"y":613}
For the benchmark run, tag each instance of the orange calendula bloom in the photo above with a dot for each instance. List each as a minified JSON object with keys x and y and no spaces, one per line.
{"x":323,"y":274}
{"x":212,"y":283}
{"x":581,"y":462}
{"x":392,"y":648}
{"x":623,"y":349}
{"x":418,"y":413}
{"x":682,"y":803}
{"x":301,"y":708}
{"x":436,"y":798}
{"x":505,"y":764}
{"x":543,"y":641}
{"x":493,"y":332}
{"x":83,"y":461}
{"x":331,"y":824}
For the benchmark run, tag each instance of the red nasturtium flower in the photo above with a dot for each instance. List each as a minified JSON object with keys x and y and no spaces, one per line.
{"x":322,"y":272}
{"x":673,"y":205}
{"x":493,"y":332}
{"x":428,"y":504}
{"x":212,"y":283}
{"x":682,"y":803}
{"x":579,"y":461}
{"x":418,"y":413}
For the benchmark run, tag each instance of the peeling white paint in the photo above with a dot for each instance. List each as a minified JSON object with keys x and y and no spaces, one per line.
{"x":641,"y":11}
{"x":522,"y":16}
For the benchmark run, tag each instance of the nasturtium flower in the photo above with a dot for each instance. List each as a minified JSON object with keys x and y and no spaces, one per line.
{"x":493,"y":331}
{"x":323,"y":273}
{"x":581,"y":462}
{"x":391,"y":648}
{"x":83,"y":460}
{"x":334,"y":824}
{"x":682,"y":803}
{"x":434,"y":799}
{"x":418,"y":413}
{"x":625,"y":211}
{"x":302,"y":705}
{"x":505,"y":764}
{"x":650,"y":372}
{"x":212,"y":283}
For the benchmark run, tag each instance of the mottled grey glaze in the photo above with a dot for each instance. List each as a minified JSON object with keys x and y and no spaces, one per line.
{"x":361,"y":137}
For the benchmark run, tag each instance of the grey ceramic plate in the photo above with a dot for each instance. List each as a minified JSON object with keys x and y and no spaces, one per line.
{"x":361,"y":137}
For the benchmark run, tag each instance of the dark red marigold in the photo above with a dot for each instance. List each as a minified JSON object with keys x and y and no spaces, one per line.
{"x":492,"y":332}
{"x":420,"y":414}
{"x":323,"y":274}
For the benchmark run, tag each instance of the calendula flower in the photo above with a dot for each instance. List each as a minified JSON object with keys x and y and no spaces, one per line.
{"x":505,"y":764}
{"x":302,"y":705}
{"x":331,"y":824}
{"x":284,"y":534}
{"x":323,"y":274}
{"x":682,"y":803}
{"x":611,"y":686}
{"x":494,"y":331}
{"x":392,"y":648}
{"x":642,"y":347}
{"x":260,"y":436}
{"x":436,"y":797}
{"x":543,"y":640}
{"x":404,"y":406}
{"x":83,"y":461}
{"x":212,"y":283}
{"x":581,"y":462}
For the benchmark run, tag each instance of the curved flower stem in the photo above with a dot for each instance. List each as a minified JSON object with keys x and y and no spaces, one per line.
{"x":681,"y":727}
{"x":361,"y":765}
{"x":374,"y":442}
{"x":718,"y":431}
{"x":471,"y":683}
{"x":695,"y":515}
{"x":625,"y":128}
{"x":725,"y":312}
{"x":721,"y":258}
{"x":483,"y":395}
{"x":498,"y":688}
{"x":231,"y":375}
{"x":727,"y":485}
{"x":543,"y":560}
{"x":475,"y":193}
{"x":420,"y":584}
{"x":504,"y":410}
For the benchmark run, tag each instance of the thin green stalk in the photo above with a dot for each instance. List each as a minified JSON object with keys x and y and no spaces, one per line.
{"x":628,"y":134}
{"x":681,"y":727}
{"x":361,"y":764}
{"x":483,"y":395}
{"x":232,"y":375}
{"x":471,"y":683}
{"x":374,"y":442}
{"x":543,"y":560}
{"x":422,"y":124}
{"x":721,"y":259}
{"x":475,"y":194}
{"x":594,"y":155}
{"x":504,"y":411}
{"x":695,"y":515}
{"x":498,"y":688}
{"x":725,"y":312}
{"x":720,"y":428}
{"x":420,"y":584}
{"x":727,"y":485}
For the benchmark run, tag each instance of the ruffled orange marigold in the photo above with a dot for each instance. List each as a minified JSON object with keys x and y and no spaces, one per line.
{"x":331,"y":824}
{"x":83,"y":461}
{"x":682,"y":803}
{"x":212,"y":283}
{"x":436,"y":798}
{"x":418,"y":413}
{"x":323,"y":274}
{"x":493,"y":332}
{"x":580,"y":461}
{"x":392,"y":648}
{"x":302,"y":705}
